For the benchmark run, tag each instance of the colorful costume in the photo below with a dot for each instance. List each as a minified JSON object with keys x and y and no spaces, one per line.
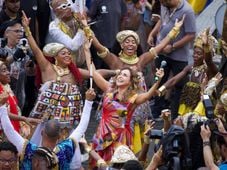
{"x":13,"y":107}
{"x":67,"y":151}
{"x":64,"y":151}
{"x":191,"y":95}
{"x":114,"y":127}
{"x":60,"y":101}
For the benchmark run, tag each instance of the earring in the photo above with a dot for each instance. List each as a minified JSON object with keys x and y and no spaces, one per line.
{"x":56,"y":62}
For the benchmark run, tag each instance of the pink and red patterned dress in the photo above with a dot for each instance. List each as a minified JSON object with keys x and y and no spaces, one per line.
{"x":114,"y":127}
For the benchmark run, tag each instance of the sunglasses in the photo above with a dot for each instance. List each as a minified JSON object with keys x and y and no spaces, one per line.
{"x":64,"y":6}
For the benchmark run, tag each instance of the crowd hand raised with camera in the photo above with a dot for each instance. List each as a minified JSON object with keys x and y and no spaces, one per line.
{"x":166,"y":116}
{"x":207,"y":153}
{"x":156,"y":160}
{"x":149,"y":125}
{"x":221,"y":128}
{"x":101,"y":164}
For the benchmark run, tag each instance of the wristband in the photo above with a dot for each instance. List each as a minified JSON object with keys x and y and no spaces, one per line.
{"x":153,"y":52}
{"x":206,"y":143}
{"x":27,"y":31}
{"x":100,"y":163}
{"x":146,"y":139}
{"x":104,"y":53}
{"x":162,"y":90}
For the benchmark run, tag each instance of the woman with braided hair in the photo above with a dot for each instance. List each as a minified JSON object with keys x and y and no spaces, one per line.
{"x":202,"y":69}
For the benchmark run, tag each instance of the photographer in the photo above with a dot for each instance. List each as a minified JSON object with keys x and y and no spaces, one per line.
{"x":207,"y":153}
{"x":16,"y":47}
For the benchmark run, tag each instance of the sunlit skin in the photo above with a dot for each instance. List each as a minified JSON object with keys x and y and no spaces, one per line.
{"x":129,"y":46}
{"x":198,"y":56}
{"x":124,"y":78}
{"x":4,"y":74}
{"x":14,"y":34}
{"x":64,"y":57}
{"x":8,"y":160}
{"x":64,"y":14}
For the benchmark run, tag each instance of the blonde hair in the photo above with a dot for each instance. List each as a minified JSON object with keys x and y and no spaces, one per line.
{"x":133,"y":88}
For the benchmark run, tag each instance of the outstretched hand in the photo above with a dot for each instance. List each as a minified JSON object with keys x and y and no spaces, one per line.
{"x":90,"y":94}
{"x":179,"y":23}
{"x":25,"y":20}
{"x":205,"y":36}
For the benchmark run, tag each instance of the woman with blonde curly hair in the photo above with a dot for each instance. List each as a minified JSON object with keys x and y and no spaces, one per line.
{"x":120,"y":100}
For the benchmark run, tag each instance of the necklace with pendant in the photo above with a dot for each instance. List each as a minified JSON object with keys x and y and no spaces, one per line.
{"x":60,"y":71}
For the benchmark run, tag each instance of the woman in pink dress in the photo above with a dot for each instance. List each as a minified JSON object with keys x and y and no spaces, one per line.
{"x":120,"y":100}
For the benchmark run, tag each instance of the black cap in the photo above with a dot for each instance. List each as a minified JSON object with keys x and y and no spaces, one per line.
{"x":7,"y":24}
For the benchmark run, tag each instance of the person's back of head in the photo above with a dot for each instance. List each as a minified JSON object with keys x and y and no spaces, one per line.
{"x":44,"y":159}
{"x":132,"y":165}
{"x":52,"y":129}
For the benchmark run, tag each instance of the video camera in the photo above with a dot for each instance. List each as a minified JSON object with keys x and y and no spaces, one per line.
{"x":175,"y":147}
{"x":209,"y":110}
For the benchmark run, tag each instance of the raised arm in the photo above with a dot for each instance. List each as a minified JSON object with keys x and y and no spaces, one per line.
{"x":41,"y":60}
{"x":99,"y":80}
{"x":82,"y":127}
{"x":154,"y":51}
{"x":207,"y":153}
{"x":143,"y":97}
{"x":109,"y":58}
{"x":174,"y":80}
{"x":12,"y":135}
{"x":212,"y":69}
{"x":59,"y":36}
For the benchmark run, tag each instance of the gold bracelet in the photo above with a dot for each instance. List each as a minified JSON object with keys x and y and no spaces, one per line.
{"x":88,"y":32}
{"x":146,"y":139}
{"x":173,"y":33}
{"x":100,"y":163}
{"x":104,"y":53}
{"x":27,"y":31}
{"x":162,"y":90}
{"x":153,"y":52}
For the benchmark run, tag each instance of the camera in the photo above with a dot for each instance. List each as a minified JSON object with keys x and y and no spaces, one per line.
{"x":209,"y":110}
{"x":22,"y":50}
{"x":155,"y":134}
{"x":175,"y":148}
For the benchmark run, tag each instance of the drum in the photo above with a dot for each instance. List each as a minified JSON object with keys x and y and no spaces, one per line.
{"x":219,"y":17}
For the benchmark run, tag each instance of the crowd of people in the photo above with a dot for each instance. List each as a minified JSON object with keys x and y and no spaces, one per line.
{"x":58,"y":57}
